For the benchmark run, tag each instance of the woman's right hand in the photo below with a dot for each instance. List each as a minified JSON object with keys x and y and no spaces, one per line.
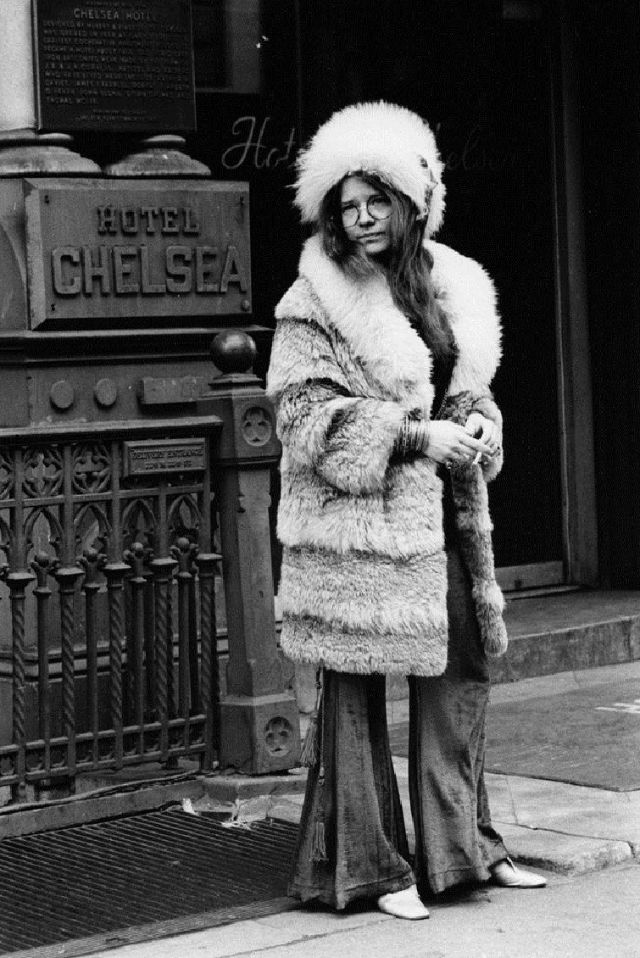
{"x":451,"y":444}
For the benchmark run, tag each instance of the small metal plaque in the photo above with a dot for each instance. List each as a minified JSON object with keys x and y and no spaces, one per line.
{"x":106,"y":250}
{"x":170,"y":390}
{"x":114,"y":65}
{"x":150,"y":456}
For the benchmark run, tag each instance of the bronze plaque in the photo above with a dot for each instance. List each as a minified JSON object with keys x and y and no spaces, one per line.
{"x":132,"y":249}
{"x":149,"y":456}
{"x":114,"y":65}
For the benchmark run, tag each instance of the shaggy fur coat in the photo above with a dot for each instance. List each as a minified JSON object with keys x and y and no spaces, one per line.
{"x":363,"y":585}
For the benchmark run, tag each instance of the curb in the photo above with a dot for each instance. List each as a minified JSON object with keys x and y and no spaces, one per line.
{"x":557,"y":852}
{"x":561,"y":853}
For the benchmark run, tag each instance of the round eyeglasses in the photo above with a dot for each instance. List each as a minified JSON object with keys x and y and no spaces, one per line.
{"x":378,"y":206}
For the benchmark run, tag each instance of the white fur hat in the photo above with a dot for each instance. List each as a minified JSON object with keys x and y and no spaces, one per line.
{"x":380,"y":138}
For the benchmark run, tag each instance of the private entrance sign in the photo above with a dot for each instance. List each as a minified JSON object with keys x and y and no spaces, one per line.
{"x":98,"y":250}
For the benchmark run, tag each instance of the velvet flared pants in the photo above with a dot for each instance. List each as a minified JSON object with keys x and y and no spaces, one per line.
{"x":352,"y":794}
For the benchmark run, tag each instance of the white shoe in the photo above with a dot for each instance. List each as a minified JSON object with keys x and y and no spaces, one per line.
{"x":403,"y":904}
{"x":506,"y":875}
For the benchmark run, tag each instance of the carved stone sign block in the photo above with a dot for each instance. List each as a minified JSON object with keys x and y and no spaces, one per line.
{"x":149,"y":456}
{"x":114,"y":65}
{"x":131,"y":249}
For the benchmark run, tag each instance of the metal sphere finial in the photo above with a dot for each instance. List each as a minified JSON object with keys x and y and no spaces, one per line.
{"x":233,"y":351}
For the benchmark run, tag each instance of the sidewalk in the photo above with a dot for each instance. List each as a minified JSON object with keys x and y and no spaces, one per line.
{"x":567,"y":829}
{"x":592,"y":916}
{"x":587,"y":840}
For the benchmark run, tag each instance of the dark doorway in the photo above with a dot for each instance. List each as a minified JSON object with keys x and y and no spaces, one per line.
{"x":480,"y":74}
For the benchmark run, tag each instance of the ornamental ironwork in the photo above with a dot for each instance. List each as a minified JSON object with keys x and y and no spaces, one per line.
{"x":111,"y":614}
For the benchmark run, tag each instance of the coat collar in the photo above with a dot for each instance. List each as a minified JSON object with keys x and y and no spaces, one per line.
{"x":364,"y":314}
{"x":467,"y":295}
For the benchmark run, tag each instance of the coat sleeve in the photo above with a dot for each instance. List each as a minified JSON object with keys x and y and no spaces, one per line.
{"x":487,"y":406}
{"x":458,"y":408}
{"x":345,"y":438}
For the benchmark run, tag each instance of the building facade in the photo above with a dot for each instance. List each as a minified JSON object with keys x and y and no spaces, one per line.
{"x":539,"y":136}
{"x":109,"y":636}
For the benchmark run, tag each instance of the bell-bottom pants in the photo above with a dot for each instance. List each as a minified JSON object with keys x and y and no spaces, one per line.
{"x":352,"y":794}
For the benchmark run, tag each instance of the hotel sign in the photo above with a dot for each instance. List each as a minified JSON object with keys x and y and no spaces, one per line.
{"x":105,"y":250}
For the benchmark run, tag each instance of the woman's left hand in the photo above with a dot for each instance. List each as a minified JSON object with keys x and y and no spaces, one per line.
{"x":485,"y":430}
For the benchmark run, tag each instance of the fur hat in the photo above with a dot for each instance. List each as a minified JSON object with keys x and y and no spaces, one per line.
{"x":379,"y":138}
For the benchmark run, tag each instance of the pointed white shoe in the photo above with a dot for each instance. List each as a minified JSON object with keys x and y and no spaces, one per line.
{"x":403,"y":904}
{"x":506,"y":875}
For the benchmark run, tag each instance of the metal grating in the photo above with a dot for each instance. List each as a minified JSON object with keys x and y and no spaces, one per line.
{"x":166,"y":870}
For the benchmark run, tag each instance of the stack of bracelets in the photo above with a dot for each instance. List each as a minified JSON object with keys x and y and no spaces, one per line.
{"x":413,"y":437}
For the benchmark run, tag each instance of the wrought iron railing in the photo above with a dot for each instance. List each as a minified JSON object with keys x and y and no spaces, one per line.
{"x":108,"y":640}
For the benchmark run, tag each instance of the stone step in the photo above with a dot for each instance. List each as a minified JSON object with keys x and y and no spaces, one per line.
{"x":568,"y":631}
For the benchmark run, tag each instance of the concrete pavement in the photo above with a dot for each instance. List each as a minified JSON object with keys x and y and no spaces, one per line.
{"x":587,"y":916}
{"x":586,"y":839}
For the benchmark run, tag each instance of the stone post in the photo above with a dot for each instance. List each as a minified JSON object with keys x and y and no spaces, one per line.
{"x":24,"y":152}
{"x":259,"y":728}
{"x":16,"y":67}
{"x":160,"y":155}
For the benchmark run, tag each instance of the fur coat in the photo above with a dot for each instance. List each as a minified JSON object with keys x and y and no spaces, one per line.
{"x":363,"y":586}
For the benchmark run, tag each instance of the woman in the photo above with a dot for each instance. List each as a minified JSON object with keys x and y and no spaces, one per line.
{"x":382,"y":361}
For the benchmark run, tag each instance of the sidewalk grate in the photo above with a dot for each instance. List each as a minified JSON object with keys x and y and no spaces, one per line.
{"x":153,"y":870}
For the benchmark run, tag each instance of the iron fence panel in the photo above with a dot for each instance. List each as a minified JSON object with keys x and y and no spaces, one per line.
{"x":110,"y":574}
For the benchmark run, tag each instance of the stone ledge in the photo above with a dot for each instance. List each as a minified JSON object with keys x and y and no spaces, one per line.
{"x":563,"y":632}
{"x":567,"y":632}
{"x":234,"y":787}
{"x":96,"y":806}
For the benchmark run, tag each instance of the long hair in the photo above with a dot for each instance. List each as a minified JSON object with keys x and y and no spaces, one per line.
{"x":407,"y":263}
